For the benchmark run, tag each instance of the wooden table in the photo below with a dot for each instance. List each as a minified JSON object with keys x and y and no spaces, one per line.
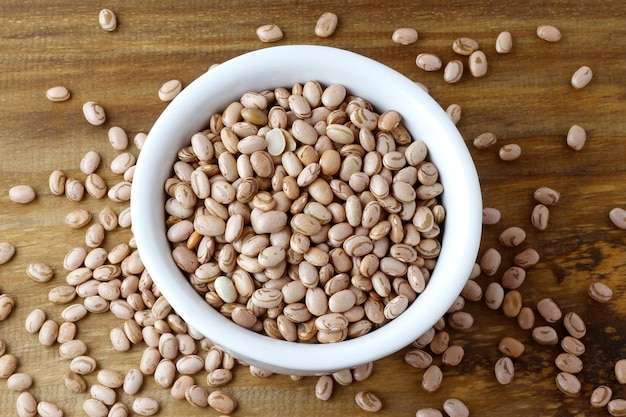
{"x":526,"y":98}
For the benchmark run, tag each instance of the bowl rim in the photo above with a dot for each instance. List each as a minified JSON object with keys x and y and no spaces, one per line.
{"x":283,"y":66}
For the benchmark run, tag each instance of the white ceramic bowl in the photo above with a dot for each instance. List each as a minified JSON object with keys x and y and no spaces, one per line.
{"x":386,"y":89}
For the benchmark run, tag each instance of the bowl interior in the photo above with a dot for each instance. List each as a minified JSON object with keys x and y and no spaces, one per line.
{"x":386,"y":89}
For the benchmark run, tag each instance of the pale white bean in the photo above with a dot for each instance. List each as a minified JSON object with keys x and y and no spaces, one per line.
{"x":269,"y":33}
{"x":22,"y":194}
{"x":58,"y":93}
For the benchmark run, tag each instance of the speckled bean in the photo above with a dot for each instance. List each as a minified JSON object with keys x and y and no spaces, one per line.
{"x":368,"y":401}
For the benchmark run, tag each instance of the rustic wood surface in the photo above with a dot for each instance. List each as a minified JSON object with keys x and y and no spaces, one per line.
{"x":526,"y":98}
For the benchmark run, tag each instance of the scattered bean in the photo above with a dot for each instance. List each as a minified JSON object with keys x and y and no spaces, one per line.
{"x":35,"y":320}
{"x":39,"y":272}
{"x":22,"y":194}
{"x":8,"y":365}
{"x":118,"y":138}
{"x":465,"y":46}
{"x":95,"y":408}
{"x":549,"y":33}
{"x":504,"y":42}
{"x":567,"y":362}
{"x":568,"y":384}
{"x":455,"y":408}
{"x":549,"y":310}
{"x":74,"y":382}
{"x":26,"y":404}
{"x":432,"y":378}
{"x":620,"y":371}
{"x":510,"y":152}
{"x":545,"y":335}
{"x":58,"y":93}
{"x":511,"y":347}
{"x":581,"y":77}
{"x":269,"y":33}
{"x":145,"y":406}
{"x":94,"y":113}
{"x":575,"y":325}
{"x":617,"y":216}
{"x":600,"y":396}
{"x":428,"y":62}
{"x":169,"y":90}
{"x":6,"y":306}
{"x":453,"y":71}
{"x":512,"y":236}
{"x":576,"y":137}
{"x":478,"y":64}
{"x":107,"y":20}
{"x":484,"y":140}
{"x":527,"y":258}
{"x":428,"y":412}
{"x":368,"y":401}
{"x":49,"y":409}
{"x":617,"y":407}
{"x":491,"y":215}
{"x":572,"y":345}
{"x":404,"y":36}
{"x":326,"y":25}
{"x":600,"y":292}
{"x":504,"y":370}
{"x":222,"y":402}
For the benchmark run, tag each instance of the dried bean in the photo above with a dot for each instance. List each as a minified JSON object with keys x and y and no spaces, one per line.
{"x":549,"y":33}
{"x":6,"y":306}
{"x":8,"y":365}
{"x":545,"y":335}
{"x":504,"y":370}
{"x":572,"y":345}
{"x":549,"y":310}
{"x":510,"y":152}
{"x":58,"y":93}
{"x":428,"y":62}
{"x":432,"y":378}
{"x":107,"y":20}
{"x":404,"y":36}
{"x":455,"y":408}
{"x":22,"y":194}
{"x":269,"y":33}
{"x":169,"y":90}
{"x":617,"y":407}
{"x":478,"y":64}
{"x":568,"y":384}
{"x":94,"y":113}
{"x":504,"y":42}
{"x":567,"y":362}
{"x":222,"y":402}
{"x":145,"y":406}
{"x":581,"y":77}
{"x":576,"y":137}
{"x":511,"y":347}
{"x":620,"y":371}
{"x":368,"y":401}
{"x":600,"y":396}
{"x":26,"y":405}
{"x":325,"y":26}
{"x":617,"y":216}
{"x":49,"y":409}
{"x":600,"y":292}
{"x":465,"y":46}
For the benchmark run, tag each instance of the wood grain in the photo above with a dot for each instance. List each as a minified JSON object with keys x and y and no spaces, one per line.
{"x":526,"y":98}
